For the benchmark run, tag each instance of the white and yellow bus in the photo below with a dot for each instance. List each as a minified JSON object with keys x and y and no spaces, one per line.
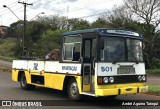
{"x":95,"y":62}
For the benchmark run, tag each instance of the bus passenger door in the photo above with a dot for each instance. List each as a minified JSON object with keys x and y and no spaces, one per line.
{"x":87,"y":65}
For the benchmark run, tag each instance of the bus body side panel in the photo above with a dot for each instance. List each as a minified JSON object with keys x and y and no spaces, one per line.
{"x":15,"y":74}
{"x":54,"y":81}
{"x":18,"y":65}
{"x":28,"y":77}
{"x":79,"y":82}
{"x":53,"y":72}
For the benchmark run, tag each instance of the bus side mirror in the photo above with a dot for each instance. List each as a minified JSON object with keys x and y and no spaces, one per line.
{"x":101,"y":42}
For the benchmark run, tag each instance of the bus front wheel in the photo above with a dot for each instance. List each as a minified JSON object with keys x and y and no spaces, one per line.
{"x":73,"y":91}
{"x":23,"y":83}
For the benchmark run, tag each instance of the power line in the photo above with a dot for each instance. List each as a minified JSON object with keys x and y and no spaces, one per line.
{"x":91,"y":4}
{"x":14,"y":6}
{"x":9,"y":7}
{"x":10,"y":12}
{"x":91,"y":15}
{"x":11,"y":4}
{"x":85,"y":5}
{"x":82,"y":3}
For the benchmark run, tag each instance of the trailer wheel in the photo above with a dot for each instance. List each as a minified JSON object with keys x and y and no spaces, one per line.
{"x":24,"y":84}
{"x":73,"y":91}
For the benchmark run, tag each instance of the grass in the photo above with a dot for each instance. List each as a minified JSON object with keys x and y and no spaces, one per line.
{"x":153,"y":71}
{"x":6,"y":47}
{"x":153,"y":89}
{"x":7,"y":58}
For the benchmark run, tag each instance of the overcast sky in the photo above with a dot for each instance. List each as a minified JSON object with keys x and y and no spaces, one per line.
{"x":70,"y":8}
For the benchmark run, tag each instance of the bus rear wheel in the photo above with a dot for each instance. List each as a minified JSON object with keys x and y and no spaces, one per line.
{"x":23,"y":83}
{"x":73,"y":91}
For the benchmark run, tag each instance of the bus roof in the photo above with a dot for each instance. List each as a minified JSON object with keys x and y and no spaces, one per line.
{"x":107,"y":32}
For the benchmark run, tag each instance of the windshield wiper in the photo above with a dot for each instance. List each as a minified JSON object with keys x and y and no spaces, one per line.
{"x":117,"y":59}
{"x":131,"y":54}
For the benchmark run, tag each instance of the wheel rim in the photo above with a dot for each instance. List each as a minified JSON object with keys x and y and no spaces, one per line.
{"x":74,"y":89}
{"x":23,"y":81}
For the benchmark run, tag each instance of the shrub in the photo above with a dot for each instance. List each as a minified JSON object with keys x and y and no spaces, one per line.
{"x":155,"y":63}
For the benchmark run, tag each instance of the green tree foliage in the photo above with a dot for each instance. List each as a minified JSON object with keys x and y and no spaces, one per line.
{"x":155,"y":63}
{"x":99,"y":23}
{"x":16,"y":30}
{"x":34,"y":30}
{"x":53,"y":22}
{"x":49,"y":40}
{"x":79,"y":24}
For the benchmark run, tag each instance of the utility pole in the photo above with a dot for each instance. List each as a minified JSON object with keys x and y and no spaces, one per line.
{"x":24,"y":25}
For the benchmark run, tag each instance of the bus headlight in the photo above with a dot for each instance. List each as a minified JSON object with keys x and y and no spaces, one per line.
{"x":105,"y":79}
{"x":111,"y":80}
{"x":140,"y":78}
{"x":143,"y":78}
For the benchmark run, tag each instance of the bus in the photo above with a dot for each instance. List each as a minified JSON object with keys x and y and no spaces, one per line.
{"x":95,"y":62}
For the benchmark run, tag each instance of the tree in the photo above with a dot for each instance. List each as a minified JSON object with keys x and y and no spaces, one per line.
{"x":53,"y":22}
{"x":16,"y":30}
{"x":147,"y":11}
{"x":99,"y":23}
{"x":48,"y":41}
{"x":71,"y":23}
{"x":78,"y":24}
{"x":118,"y":17}
{"x":35,"y":30}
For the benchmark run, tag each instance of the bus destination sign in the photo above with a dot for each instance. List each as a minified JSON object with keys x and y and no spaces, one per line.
{"x":123,"y":32}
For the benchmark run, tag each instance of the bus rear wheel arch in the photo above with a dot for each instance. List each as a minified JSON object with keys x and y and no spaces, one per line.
{"x":23,"y":82}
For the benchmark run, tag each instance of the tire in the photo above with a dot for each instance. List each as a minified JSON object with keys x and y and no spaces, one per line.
{"x":24,"y":84}
{"x":73,"y":91}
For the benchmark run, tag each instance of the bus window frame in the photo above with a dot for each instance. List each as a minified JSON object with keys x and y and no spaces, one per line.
{"x":72,"y":43}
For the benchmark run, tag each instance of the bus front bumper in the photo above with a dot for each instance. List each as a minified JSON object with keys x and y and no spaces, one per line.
{"x":120,"y":91}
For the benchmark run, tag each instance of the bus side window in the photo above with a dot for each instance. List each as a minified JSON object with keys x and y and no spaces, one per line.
{"x":76,"y":52}
{"x":71,"y":48}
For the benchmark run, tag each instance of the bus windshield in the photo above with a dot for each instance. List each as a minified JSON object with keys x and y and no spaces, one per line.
{"x":121,"y":50}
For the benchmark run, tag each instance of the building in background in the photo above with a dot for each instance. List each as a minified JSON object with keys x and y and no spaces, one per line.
{"x":3,"y":31}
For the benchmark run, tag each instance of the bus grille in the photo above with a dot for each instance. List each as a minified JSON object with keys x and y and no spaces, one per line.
{"x":126,"y":70}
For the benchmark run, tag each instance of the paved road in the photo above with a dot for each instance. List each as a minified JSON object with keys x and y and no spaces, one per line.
{"x":5,"y":63}
{"x":153,"y":80}
{"x":10,"y":90}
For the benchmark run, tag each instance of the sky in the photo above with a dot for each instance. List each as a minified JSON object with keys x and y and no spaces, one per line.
{"x":69,"y":8}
